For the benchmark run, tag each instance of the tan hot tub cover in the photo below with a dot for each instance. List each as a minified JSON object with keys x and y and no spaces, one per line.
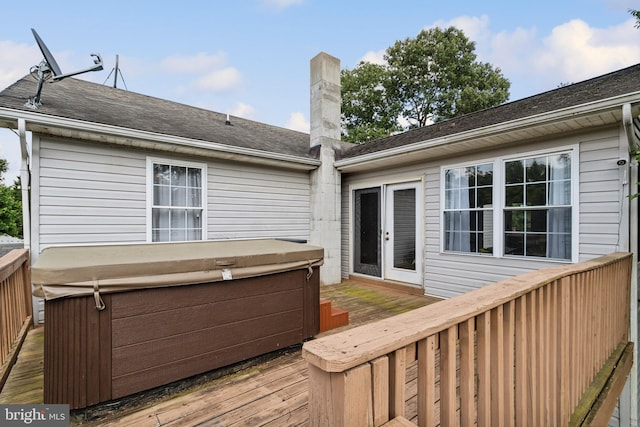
{"x":85,"y":270}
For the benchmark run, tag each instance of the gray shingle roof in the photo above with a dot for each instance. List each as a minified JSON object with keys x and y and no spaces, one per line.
{"x":81,"y":100}
{"x":607,"y":86}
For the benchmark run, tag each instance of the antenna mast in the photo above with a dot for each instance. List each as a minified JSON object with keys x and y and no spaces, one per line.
{"x":48,"y":67}
{"x":115,"y":77}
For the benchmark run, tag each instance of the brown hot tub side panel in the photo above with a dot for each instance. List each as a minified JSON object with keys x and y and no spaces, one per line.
{"x":77,"y":347}
{"x":151,"y":337}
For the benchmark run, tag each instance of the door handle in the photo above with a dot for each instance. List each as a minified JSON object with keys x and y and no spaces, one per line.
{"x":386,"y":236}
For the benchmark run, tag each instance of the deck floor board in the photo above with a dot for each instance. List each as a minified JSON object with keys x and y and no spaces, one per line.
{"x":267,"y":391}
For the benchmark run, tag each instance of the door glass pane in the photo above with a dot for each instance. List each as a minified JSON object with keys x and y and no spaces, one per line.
{"x":367,"y":232}
{"x":404,"y":229}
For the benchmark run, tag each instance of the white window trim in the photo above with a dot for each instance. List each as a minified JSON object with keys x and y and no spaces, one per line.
{"x":498,"y":201}
{"x":149,"y":190}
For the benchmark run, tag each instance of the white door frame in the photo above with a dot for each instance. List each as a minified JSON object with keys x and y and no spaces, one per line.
{"x":412,"y":276}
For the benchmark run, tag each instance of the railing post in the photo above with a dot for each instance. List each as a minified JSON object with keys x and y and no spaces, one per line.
{"x":340,"y":399}
{"x":26,"y":277}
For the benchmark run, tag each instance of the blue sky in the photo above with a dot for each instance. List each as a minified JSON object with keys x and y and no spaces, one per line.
{"x":251,"y":57}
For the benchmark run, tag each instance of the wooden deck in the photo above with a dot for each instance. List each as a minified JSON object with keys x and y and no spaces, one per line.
{"x":267,"y":391}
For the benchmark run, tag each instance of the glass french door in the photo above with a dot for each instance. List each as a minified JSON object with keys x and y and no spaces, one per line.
{"x":367,"y":249}
{"x":387,"y":240}
{"x":402,"y":240}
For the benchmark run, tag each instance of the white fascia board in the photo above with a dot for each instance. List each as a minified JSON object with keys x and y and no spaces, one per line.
{"x":529,"y":121}
{"x":151,"y":139}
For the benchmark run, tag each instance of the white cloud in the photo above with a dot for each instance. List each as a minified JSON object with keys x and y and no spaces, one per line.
{"x":15,"y":61}
{"x":243,"y":110}
{"x":476,"y":28}
{"x":571,"y":52}
{"x":222,"y":80}
{"x":212,"y":72}
{"x":297,"y":121}
{"x":374,"y":57}
{"x":575,"y":51}
{"x":194,"y":64}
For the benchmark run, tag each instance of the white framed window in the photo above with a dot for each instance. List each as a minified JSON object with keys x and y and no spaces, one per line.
{"x":520,"y":206}
{"x":176,"y":200}
{"x":538,"y":206}
{"x":468,"y":209}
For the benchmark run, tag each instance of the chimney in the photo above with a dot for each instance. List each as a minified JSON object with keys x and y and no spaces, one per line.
{"x":325,"y":99}
{"x":325,"y":216}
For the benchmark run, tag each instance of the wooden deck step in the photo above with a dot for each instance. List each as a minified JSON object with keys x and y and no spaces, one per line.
{"x":331,"y":317}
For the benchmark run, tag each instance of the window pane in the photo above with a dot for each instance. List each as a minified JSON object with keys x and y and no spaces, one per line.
{"x":485,"y":224}
{"x":536,"y":245}
{"x":559,"y":193}
{"x":161,"y":174}
{"x":485,"y":175}
{"x":449,"y":199}
{"x":161,"y":236}
{"x":194,"y":234}
{"x":161,"y":195}
{"x":178,"y":176}
{"x":560,"y":166}
{"x":514,"y":196}
{"x":536,"y":194}
{"x":560,"y":220}
{"x":178,"y":235}
{"x":514,"y":220}
{"x":178,"y":218}
{"x":471,"y":198}
{"x":536,"y":169}
{"x":514,"y":244}
{"x":194,"y":197}
{"x":485,"y":197}
{"x":470,"y":174}
{"x":451,"y":178}
{"x":514,"y":172}
{"x":194,"y":219}
{"x":160,"y":218}
{"x":178,"y":196}
{"x":194,"y":176}
{"x":537,"y":220}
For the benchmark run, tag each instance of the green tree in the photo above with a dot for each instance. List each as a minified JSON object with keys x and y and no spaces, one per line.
{"x":366,"y":112}
{"x":10,"y":205}
{"x":635,"y":14}
{"x":432,"y":77}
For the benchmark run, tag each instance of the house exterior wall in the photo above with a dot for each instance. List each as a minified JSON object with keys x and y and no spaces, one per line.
{"x":601,"y":223}
{"x":89,"y":194}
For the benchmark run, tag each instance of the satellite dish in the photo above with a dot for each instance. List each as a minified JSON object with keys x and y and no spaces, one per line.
{"x":49,"y":68}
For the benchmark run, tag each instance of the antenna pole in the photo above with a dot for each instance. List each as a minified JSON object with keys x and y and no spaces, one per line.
{"x":115,"y":77}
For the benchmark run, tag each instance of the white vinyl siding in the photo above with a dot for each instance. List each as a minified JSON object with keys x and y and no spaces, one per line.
{"x":97,"y":194}
{"x":89,"y":194}
{"x":601,"y":198}
{"x":599,"y":203}
{"x":247,"y":201}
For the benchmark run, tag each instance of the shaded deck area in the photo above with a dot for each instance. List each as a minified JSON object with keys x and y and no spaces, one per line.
{"x":267,"y":391}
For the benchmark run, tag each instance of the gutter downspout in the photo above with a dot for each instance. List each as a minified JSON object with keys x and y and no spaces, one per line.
{"x":627,"y":122}
{"x":25,"y":184}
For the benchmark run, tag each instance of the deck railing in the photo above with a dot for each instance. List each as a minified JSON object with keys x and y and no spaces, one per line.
{"x":519,"y":352}
{"x":15,"y":305}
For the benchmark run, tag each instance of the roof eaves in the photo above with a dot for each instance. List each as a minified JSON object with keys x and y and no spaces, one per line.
{"x":530,"y":121}
{"x":38,"y":122}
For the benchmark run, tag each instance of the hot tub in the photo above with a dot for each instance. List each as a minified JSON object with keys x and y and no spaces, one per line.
{"x":123,"y":319}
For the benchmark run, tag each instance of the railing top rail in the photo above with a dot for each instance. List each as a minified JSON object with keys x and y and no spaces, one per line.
{"x":12,"y":261}
{"x":345,"y":350}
